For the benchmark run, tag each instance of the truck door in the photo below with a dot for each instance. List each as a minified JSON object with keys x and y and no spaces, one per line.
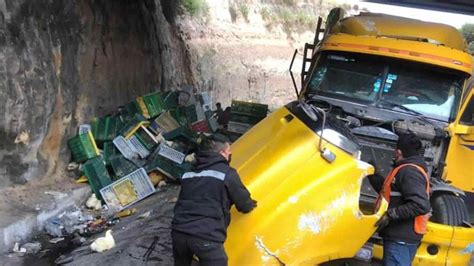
{"x":460,"y":157}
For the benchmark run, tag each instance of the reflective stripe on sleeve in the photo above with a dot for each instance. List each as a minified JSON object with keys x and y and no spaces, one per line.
{"x":210,"y":173}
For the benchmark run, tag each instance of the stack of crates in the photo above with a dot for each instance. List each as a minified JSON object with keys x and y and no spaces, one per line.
{"x":97,"y":175}
{"x":245,"y":115}
{"x":83,"y":147}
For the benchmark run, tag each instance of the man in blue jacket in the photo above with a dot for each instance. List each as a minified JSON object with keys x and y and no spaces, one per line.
{"x":202,"y":212}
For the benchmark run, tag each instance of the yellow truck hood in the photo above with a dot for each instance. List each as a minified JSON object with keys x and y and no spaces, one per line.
{"x":308,"y":209}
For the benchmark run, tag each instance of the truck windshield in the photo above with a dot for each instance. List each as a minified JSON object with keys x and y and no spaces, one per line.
{"x":432,"y":91}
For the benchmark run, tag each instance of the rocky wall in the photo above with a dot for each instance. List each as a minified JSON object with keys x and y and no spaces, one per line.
{"x":63,"y":62}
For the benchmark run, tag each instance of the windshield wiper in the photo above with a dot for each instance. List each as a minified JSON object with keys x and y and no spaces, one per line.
{"x":399,"y":106}
{"x":416,"y":114}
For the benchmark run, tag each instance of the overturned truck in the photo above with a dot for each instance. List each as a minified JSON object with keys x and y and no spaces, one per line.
{"x":367,"y":79}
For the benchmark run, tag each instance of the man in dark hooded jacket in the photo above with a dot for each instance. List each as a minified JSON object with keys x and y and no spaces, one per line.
{"x":202,"y":212}
{"x":401,"y":227}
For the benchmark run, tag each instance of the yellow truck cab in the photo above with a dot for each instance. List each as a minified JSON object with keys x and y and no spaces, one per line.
{"x":370,"y":78}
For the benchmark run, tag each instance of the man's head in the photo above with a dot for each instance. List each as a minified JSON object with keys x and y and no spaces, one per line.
{"x":218,"y":106}
{"x":218,"y":143}
{"x":408,"y":145}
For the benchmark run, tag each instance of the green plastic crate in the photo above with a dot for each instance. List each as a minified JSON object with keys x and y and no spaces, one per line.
{"x":182,"y":133}
{"x":249,"y":109}
{"x":154,"y":103}
{"x":247,"y":119}
{"x":109,"y":151}
{"x":121,"y":166}
{"x":105,"y":128}
{"x":170,"y":99}
{"x":179,"y":116}
{"x":97,"y":175}
{"x":129,"y":111}
{"x":131,"y":124}
{"x":190,"y":112}
{"x":169,"y":168}
{"x":145,"y":139}
{"x":184,"y":114}
{"x":83,"y":147}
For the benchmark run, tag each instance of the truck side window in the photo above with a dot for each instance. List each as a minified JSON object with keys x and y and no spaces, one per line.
{"x":467,"y":117}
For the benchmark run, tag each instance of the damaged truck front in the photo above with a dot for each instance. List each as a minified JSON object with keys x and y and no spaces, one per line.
{"x":370,"y":78}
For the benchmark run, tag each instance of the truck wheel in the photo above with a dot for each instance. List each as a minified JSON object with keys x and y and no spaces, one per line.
{"x":448,"y":209}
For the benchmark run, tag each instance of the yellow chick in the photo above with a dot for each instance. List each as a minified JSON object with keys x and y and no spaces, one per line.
{"x":102,"y":244}
{"x":93,"y":203}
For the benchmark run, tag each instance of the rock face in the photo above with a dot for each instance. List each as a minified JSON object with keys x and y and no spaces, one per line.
{"x":63,"y":62}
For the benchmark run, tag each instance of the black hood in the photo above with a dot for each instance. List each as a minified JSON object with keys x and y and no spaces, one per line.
{"x":208,"y":158}
{"x":416,"y":159}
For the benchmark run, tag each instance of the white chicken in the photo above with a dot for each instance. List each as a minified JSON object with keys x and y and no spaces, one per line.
{"x":102,"y":244}
{"x":93,"y":203}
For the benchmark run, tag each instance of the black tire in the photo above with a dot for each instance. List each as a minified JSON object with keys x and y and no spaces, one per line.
{"x":448,"y":209}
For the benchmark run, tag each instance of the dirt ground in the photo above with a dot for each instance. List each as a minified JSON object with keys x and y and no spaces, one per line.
{"x":35,"y":196}
{"x":143,"y":241}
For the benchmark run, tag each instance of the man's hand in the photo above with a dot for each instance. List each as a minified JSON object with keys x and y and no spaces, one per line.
{"x":382,"y":222}
{"x":254,"y":203}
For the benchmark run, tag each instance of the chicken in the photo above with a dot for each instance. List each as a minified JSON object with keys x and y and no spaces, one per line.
{"x":102,"y":244}
{"x":93,"y":203}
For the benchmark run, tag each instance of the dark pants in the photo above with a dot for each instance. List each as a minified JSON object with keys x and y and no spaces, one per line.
{"x":398,"y":253}
{"x":208,"y":252}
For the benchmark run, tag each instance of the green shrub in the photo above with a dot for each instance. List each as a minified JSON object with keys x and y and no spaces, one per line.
{"x":196,"y":7}
{"x":244,"y":9}
{"x":266,"y":13}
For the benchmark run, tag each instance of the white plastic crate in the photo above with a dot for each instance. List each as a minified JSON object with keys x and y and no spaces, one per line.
{"x":127,"y":190}
{"x":237,"y":127}
{"x":125,"y":148}
{"x":172,"y":154}
{"x":138,"y":147}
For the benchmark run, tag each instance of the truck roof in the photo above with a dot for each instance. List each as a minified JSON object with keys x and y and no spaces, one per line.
{"x":383,"y":25}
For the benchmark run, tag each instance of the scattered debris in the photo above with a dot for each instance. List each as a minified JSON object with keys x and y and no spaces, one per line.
{"x":144,"y":215}
{"x":53,"y":228}
{"x":17,"y":249}
{"x":102,"y":244}
{"x":126,"y":213}
{"x":57,"y":195}
{"x":68,"y":222}
{"x":56,"y":240}
{"x":82,"y":179}
{"x":31,"y":248}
